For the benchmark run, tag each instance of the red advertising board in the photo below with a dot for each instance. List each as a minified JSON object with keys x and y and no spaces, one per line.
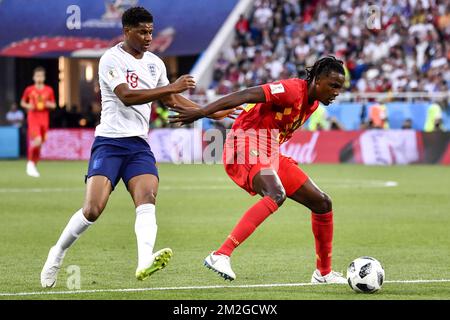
{"x":318,"y":146}
{"x":68,"y":144}
{"x":168,"y":145}
{"x":373,"y":147}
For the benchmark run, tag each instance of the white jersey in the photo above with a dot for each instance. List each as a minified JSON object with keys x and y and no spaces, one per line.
{"x":116,"y":67}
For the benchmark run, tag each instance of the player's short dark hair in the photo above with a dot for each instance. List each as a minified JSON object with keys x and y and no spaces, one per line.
{"x":38,"y":69}
{"x":135,"y":15}
{"x":324,"y":66}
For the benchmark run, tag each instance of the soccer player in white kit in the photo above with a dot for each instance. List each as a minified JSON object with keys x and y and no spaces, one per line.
{"x":130,"y":79}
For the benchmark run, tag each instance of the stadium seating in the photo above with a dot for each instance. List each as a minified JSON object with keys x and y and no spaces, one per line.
{"x":283,"y":37}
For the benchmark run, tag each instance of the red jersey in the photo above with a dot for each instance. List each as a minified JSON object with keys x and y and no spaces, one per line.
{"x":286,"y":109}
{"x":38,"y":99}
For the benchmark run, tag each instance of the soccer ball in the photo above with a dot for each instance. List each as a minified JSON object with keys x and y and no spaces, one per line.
{"x":365,"y":274}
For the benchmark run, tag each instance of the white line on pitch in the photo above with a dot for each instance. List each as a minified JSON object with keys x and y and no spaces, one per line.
{"x":342,"y":184}
{"x":25,"y":190}
{"x":245,"y":286}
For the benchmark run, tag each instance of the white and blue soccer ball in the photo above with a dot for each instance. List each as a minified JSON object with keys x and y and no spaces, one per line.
{"x":365,"y":274}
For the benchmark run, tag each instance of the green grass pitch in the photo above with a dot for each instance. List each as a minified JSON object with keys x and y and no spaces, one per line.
{"x":399,"y":215}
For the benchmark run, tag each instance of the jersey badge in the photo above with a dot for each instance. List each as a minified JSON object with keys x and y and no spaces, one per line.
{"x":152,"y":70}
{"x":276,"y":88}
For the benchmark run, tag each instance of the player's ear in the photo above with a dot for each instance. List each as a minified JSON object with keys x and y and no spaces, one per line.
{"x":126,"y":31}
{"x":317,"y":81}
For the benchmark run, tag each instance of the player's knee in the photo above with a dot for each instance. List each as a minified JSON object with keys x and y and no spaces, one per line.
{"x":146,"y":197}
{"x":36,"y":142}
{"x":278,"y":195}
{"x":323,"y":205}
{"x":92,"y":211}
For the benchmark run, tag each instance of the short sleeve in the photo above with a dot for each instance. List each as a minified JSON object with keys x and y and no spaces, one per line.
{"x":110,"y":72}
{"x":284,"y":92}
{"x":163,"y":81}
{"x":51,"y":94}
{"x":26,"y":94}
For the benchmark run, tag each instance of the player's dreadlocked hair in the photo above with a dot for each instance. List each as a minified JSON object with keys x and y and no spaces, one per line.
{"x":324,"y":66}
{"x":135,"y":15}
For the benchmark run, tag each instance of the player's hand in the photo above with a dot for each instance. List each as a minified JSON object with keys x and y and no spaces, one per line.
{"x":230,"y":113}
{"x":50,"y":105}
{"x":28,"y":106}
{"x":183,"y":83}
{"x":185,"y":115}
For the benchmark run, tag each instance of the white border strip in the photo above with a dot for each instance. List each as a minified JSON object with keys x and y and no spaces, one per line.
{"x":272,"y":285}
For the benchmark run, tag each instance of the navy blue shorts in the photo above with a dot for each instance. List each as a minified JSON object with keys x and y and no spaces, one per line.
{"x":117,"y":158}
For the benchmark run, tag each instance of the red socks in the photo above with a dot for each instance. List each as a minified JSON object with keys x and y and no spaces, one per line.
{"x":34,"y":153}
{"x":322,"y":227}
{"x":248,"y":223}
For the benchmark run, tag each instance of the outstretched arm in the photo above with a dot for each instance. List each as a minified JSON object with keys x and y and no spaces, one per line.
{"x":233,"y":100}
{"x":175,"y":100}
{"x":131,"y":97}
{"x":178,"y":100}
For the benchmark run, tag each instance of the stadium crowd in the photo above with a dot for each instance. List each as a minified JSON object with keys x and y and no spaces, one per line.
{"x":397,"y":45}
{"x":400,"y":45}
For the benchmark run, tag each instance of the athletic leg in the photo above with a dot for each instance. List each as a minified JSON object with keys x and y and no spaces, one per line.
{"x":143,"y":189}
{"x":34,"y":146}
{"x":310,"y":195}
{"x":98,"y":189}
{"x":266,"y":183}
{"x":39,"y":141}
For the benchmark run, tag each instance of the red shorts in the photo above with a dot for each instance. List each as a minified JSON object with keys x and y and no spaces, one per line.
{"x":38,"y":123}
{"x":37,"y":129}
{"x":291,"y":176}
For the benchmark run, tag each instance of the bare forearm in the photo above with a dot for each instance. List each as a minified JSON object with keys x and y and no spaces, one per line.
{"x":25,"y":105}
{"x":51,"y":105}
{"x":132,"y":97}
{"x":251,"y":95}
{"x":179,"y":100}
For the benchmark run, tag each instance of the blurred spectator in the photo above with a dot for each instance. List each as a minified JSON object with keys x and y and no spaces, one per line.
{"x":407,"y":50}
{"x":241,"y":28}
{"x":318,"y":120}
{"x":407,"y":124}
{"x":378,"y":116}
{"x":363,"y":116}
{"x":366,"y":125}
{"x":335,"y":124}
{"x":15,"y":116}
{"x":159,"y":117}
{"x":433,"y":120}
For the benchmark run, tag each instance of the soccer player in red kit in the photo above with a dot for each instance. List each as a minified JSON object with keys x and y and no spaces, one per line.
{"x":37,"y":99}
{"x":279,"y":108}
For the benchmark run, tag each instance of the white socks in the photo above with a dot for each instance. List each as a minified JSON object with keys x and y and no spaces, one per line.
{"x":76,"y":226}
{"x":145,"y":228}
